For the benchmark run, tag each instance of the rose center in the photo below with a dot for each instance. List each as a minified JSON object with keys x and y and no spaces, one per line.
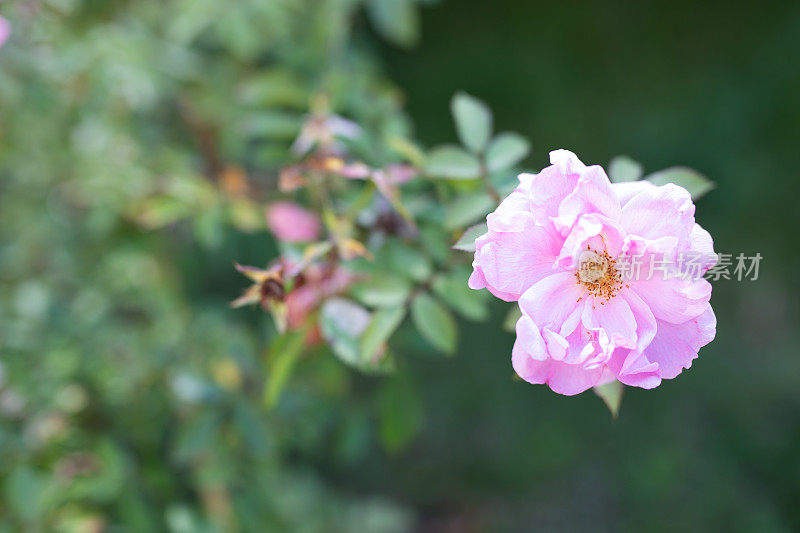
{"x":597,"y":272}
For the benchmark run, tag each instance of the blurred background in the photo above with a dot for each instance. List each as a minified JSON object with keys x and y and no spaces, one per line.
{"x":130,"y":394}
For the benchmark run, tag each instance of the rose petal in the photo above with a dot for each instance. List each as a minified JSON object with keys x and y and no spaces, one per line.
{"x":658,"y":212}
{"x":552,"y":300}
{"x":510,"y":261}
{"x":673,"y":300}
{"x":675,"y":346}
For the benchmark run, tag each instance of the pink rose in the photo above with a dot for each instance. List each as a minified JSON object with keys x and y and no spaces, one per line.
{"x":5,"y":31}
{"x":291,"y":223}
{"x":559,"y":243}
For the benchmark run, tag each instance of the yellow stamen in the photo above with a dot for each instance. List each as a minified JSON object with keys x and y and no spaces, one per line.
{"x":598,"y":273}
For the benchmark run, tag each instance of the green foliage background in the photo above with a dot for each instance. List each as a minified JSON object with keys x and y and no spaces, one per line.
{"x":132,"y":396}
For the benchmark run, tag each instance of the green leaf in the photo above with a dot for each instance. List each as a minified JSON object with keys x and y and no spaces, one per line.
{"x":272,"y":124}
{"x":451,"y":162}
{"x":504,"y":181}
{"x":160,"y":211}
{"x":435,"y":323}
{"x":436,"y":241}
{"x":284,"y":353}
{"x":382,"y":290}
{"x":245,"y":215}
{"x":108,"y":482}
{"x":407,"y":149}
{"x":467,"y":209}
{"x":24,"y":490}
{"x":342,"y":323}
{"x":622,"y":168}
{"x":453,"y":290}
{"x":506,"y":150}
{"x":473,"y":121}
{"x":396,"y":20}
{"x":400,"y":414}
{"x":611,"y":394}
{"x":466,"y":243}
{"x":383,"y":324}
{"x":209,"y":229}
{"x":236,"y":31}
{"x":690,"y":179}
{"x":274,"y":88}
{"x":510,"y":321}
{"x":408,"y":261}
{"x":182,"y":519}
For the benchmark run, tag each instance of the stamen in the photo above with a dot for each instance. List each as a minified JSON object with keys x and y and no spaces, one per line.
{"x":598,"y":273}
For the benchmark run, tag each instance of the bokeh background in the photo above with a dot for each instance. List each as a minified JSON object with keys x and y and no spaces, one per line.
{"x":130,"y":398}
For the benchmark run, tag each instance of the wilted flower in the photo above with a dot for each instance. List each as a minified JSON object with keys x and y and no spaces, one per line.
{"x":554,"y":244}
{"x":291,"y":223}
{"x":267,"y":287}
{"x":309,"y":284}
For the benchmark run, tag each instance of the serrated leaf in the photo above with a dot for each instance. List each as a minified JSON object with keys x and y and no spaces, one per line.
{"x":510,"y":321}
{"x":688,"y":178}
{"x":467,"y":209}
{"x":383,"y":324}
{"x":466,"y":243}
{"x":451,"y":162}
{"x":623,"y":168}
{"x":473,"y":121}
{"x":506,"y":150}
{"x":611,"y":394}
{"x":382,"y":290}
{"x":435,"y":323}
